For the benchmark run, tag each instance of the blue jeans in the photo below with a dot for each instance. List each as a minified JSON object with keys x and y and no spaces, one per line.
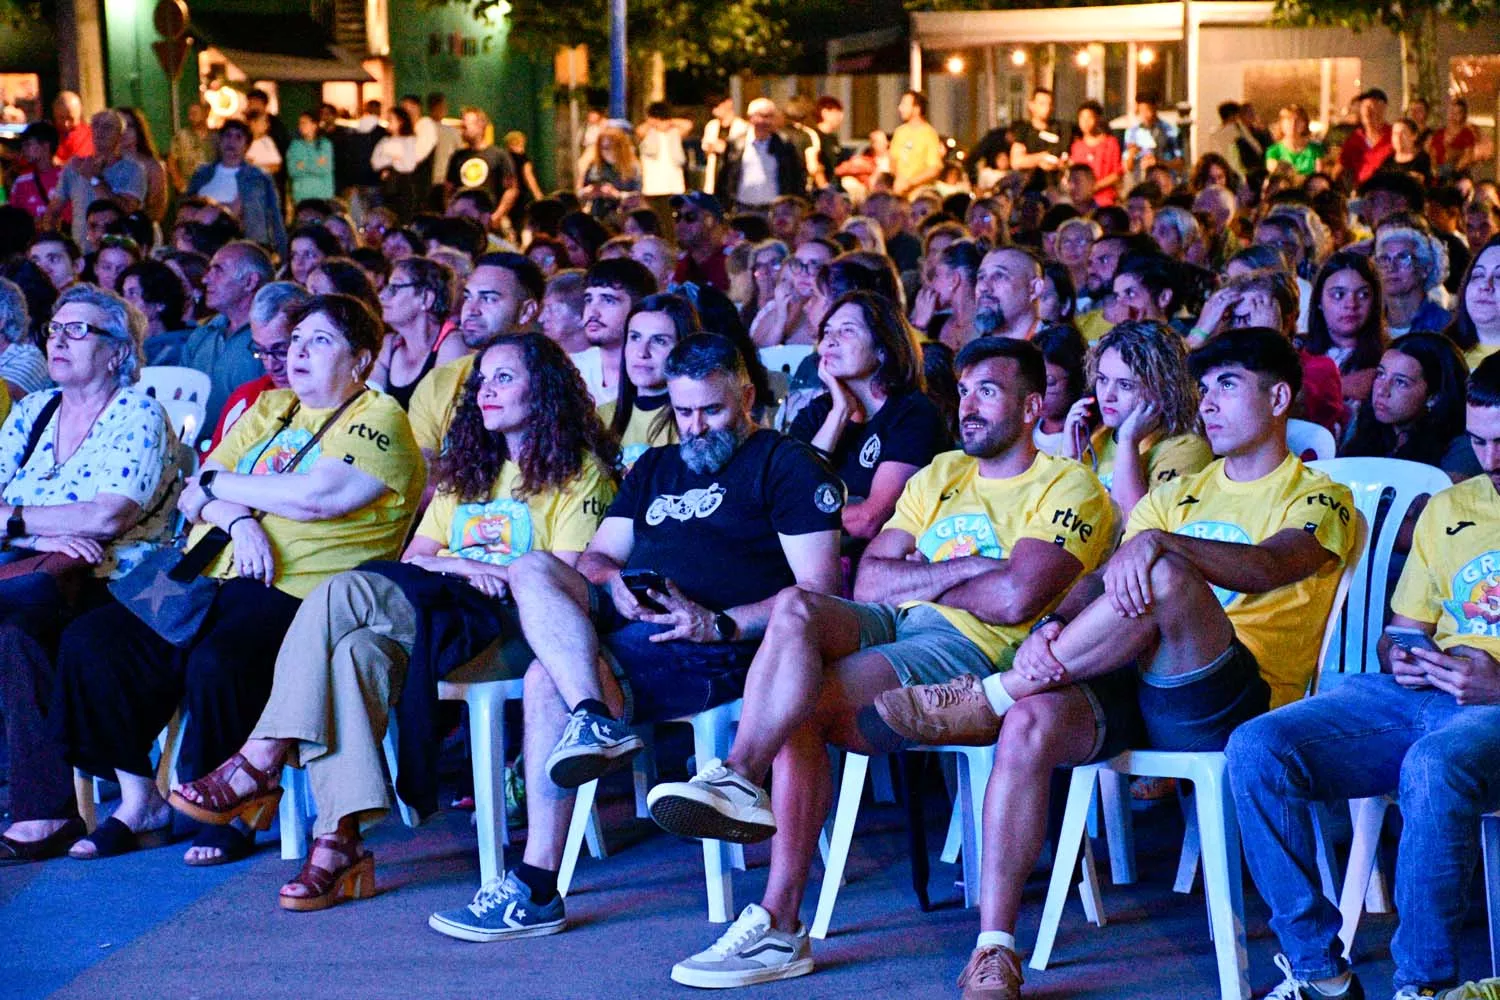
{"x":1366,"y":737}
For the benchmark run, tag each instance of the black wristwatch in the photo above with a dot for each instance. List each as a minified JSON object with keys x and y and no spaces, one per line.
{"x":206,"y":483}
{"x":1048,"y":619}
{"x":725,"y":626}
{"x":15,"y":527}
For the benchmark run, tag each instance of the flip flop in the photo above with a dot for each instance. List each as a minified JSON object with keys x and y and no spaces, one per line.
{"x":113,"y":838}
{"x":235,"y":845}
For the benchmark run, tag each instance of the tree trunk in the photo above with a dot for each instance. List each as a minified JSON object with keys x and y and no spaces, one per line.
{"x":1420,"y":76}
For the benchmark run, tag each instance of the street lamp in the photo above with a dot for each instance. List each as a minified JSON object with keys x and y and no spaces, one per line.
{"x":955,"y":65}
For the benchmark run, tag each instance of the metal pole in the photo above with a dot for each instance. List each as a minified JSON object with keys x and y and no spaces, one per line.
{"x":617,"y":59}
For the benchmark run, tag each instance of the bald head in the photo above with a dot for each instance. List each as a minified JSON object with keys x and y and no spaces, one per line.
{"x":1007,"y":291}
{"x":67,"y":110}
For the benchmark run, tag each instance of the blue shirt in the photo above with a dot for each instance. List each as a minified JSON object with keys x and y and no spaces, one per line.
{"x":226,"y":357}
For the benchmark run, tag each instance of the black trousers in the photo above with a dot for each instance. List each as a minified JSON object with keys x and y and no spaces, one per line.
{"x":119,"y":682}
{"x":33,"y":613}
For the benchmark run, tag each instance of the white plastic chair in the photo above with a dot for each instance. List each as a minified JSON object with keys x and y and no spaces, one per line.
{"x":298,"y":805}
{"x":169,"y":742}
{"x":713,"y":733}
{"x":1303,"y":436}
{"x":184,"y":393}
{"x":1218,"y":830}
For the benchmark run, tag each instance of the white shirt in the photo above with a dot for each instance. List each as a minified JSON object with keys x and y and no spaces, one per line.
{"x":757,"y":174}
{"x":400,"y":152}
{"x":662,"y":160}
{"x":713,"y":132}
{"x":590,"y":364}
{"x":263,"y":153}
{"x":224,"y":186}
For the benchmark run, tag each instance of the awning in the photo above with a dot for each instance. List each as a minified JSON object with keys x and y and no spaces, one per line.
{"x":296,"y":69}
{"x":1142,"y":22}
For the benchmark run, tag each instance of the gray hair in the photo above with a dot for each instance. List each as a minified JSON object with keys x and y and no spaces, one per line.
{"x":460,"y":263}
{"x":873,"y":239}
{"x":124,"y":325}
{"x":277,"y":299}
{"x":1430,"y":252}
{"x":15,"y":318}
{"x":1182,"y":222}
{"x":705,"y":354}
{"x":1079,"y":222}
{"x":251,"y":258}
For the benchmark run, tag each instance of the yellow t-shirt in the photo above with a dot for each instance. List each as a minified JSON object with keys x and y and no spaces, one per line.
{"x":1167,"y":458}
{"x":1283,"y":627}
{"x":1452,"y":576}
{"x":916,"y":148}
{"x":1478,"y":353}
{"x":501,"y":527}
{"x":434,"y":400}
{"x":1093,"y":325}
{"x":5,"y":401}
{"x":952,"y":511}
{"x":373,"y":436}
{"x":637,"y":439}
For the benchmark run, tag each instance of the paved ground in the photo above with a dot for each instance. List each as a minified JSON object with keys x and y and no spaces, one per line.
{"x":147,"y":926}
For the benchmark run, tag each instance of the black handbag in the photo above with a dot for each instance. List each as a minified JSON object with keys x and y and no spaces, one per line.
{"x":167,"y":591}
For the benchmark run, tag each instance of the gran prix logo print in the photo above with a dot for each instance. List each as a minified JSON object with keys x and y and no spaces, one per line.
{"x":693,"y":503}
{"x":958,"y":536}
{"x":1218,"y":531}
{"x":1475,"y":606}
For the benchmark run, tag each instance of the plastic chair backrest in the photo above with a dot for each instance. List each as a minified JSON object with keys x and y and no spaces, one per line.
{"x":1384,"y":490}
{"x":187,"y":418}
{"x":183,"y":393}
{"x":1303,"y":436}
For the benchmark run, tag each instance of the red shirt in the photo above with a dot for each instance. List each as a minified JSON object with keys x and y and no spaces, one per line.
{"x":78,"y":142}
{"x":1323,"y":392}
{"x":31,"y":196}
{"x":714,"y":272}
{"x":1441,"y":148}
{"x":1360,"y":159}
{"x":237,"y":404}
{"x":1104,"y":158}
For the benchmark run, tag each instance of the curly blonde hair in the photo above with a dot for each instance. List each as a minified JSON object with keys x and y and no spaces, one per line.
{"x":1158,"y":357}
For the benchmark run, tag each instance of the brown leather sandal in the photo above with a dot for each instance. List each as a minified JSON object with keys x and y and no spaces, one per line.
{"x":355,"y":879}
{"x":222,"y":805}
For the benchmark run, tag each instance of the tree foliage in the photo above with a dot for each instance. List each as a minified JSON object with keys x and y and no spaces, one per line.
{"x":716,"y":38}
{"x":1396,"y":15}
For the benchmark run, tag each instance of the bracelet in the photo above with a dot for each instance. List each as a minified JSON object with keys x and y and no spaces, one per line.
{"x":1048,"y":619}
{"x":229,"y":530}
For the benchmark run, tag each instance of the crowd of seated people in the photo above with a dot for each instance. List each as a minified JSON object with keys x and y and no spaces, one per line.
{"x":1027,"y":484}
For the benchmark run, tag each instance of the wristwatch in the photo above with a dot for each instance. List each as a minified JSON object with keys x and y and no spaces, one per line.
{"x":725,"y":626}
{"x":16,"y":526}
{"x":206,"y":483}
{"x":1048,"y":619}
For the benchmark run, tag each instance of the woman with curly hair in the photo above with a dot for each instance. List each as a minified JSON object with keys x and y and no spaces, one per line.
{"x":525,"y":467}
{"x":1147,"y":402}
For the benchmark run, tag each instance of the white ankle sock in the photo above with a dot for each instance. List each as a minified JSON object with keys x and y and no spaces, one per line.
{"x":988,"y":939}
{"x":1334,"y":987}
{"x":999,"y":698}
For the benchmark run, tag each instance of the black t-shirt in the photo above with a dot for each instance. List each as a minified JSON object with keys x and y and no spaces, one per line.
{"x":906,"y":429}
{"x":1047,"y":140}
{"x":490,"y":168}
{"x":830,"y":153}
{"x":715,"y":534}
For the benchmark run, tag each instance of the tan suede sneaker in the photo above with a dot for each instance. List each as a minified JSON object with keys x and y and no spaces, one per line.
{"x":941,"y":714}
{"x":993,"y":973}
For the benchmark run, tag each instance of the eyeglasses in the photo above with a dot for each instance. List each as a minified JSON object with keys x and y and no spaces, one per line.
{"x":394,"y":286}
{"x":766,"y":265}
{"x":1395,"y":261}
{"x":687,"y":216}
{"x":274,"y":355}
{"x":77,"y":330}
{"x":800,"y":266}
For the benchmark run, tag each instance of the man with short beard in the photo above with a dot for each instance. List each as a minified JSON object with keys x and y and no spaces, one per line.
{"x":610,"y":290}
{"x":982,"y":542}
{"x":727,"y":518}
{"x":1007,"y":293}
{"x":1104,"y":260}
{"x":500,"y":298}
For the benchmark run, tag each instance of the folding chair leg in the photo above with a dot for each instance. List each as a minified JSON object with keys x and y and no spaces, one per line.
{"x":1192,"y":848}
{"x":1222,"y":878}
{"x":1367,"y":816}
{"x":583,"y":815}
{"x":974,"y":769}
{"x":1489,"y":838}
{"x":487,"y":737}
{"x":1119,"y":825}
{"x":851,"y":789}
{"x":1088,"y":887}
{"x":643,"y":772}
{"x":1069,"y":844}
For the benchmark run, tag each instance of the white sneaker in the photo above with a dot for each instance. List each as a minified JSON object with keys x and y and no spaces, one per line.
{"x":749,"y":952}
{"x":716,"y":805}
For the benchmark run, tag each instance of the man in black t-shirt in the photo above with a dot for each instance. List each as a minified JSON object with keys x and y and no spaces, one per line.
{"x":483,"y":165}
{"x":1038,"y":144}
{"x":727,"y":518}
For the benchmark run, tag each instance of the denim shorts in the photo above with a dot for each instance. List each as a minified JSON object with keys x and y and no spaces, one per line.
{"x":1195,"y":711}
{"x":921,"y":645}
{"x":666,"y":680}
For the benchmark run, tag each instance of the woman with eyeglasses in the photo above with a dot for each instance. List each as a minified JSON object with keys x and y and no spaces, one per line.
{"x":87,"y":474}
{"x":767,"y":261}
{"x":415,"y":304}
{"x":796,"y":306}
{"x":1411,"y":263}
{"x":314,"y":480}
{"x":526,"y":467}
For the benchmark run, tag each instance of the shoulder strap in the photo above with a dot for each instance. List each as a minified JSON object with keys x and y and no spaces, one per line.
{"x":43,"y":418}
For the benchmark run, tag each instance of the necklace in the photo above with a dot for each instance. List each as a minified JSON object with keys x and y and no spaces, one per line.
{"x":56,"y":469}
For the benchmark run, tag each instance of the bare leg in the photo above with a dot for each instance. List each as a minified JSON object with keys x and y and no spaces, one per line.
{"x":141,"y":808}
{"x":347,"y":834}
{"x":548,"y":807}
{"x":802,"y":788}
{"x":265,"y":755}
{"x":553,"y":602}
{"x":806,"y":631}
{"x":1040,"y":733}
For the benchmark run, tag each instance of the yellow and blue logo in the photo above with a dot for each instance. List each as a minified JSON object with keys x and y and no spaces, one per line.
{"x":496,"y":532}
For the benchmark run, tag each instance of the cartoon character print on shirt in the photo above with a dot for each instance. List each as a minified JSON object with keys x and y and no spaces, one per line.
{"x":700,"y":502}
{"x":631,"y":453}
{"x":1218,"y":531}
{"x":275,"y":457}
{"x":1475,"y":606}
{"x":960,"y":535}
{"x":495,"y":532}
{"x":869,"y":455}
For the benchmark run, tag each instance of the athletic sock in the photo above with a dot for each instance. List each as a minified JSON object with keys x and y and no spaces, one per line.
{"x":999,"y":698}
{"x":594,"y":707}
{"x":988,"y":939}
{"x":541,"y":882}
{"x":1336,"y":986}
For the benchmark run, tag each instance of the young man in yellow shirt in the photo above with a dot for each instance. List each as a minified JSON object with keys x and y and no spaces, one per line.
{"x":983,"y":542}
{"x":917,"y":151}
{"x":1426,"y":727}
{"x":1208,"y":614}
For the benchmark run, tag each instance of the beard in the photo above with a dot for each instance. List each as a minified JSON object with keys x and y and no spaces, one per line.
{"x":988,"y":320}
{"x":710,"y":451}
{"x":983,"y":439}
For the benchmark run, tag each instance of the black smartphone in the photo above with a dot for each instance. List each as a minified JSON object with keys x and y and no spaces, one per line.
{"x":640,"y":581}
{"x":1410,"y":638}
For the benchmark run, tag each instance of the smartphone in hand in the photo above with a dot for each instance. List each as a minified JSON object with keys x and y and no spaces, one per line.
{"x":1411,"y":638}
{"x":640,"y":582}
